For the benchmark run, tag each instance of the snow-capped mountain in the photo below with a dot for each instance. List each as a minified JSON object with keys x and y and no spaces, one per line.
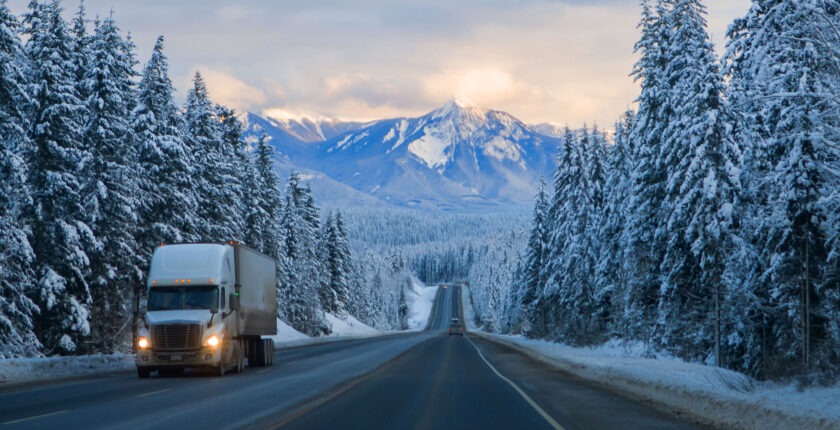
{"x":303,"y":128}
{"x":460,"y":155}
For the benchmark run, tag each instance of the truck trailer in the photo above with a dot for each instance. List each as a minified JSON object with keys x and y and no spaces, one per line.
{"x":208,"y":306}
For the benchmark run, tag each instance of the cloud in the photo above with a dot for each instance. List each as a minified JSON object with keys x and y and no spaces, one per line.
{"x":226,"y":89}
{"x":541,"y":60}
{"x":484,"y":85}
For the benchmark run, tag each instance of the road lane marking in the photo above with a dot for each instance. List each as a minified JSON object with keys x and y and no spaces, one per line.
{"x":263,"y":371}
{"x":33,"y":418}
{"x":154,"y":392}
{"x":528,"y":399}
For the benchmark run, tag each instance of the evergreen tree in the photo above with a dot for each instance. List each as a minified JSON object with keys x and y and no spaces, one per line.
{"x":166,"y":165}
{"x":335,"y":293}
{"x":783,"y":64}
{"x":644,"y":237}
{"x":567,"y":304}
{"x":300,"y":286}
{"x":60,"y":235}
{"x":702,"y":162}
{"x":610,"y":273}
{"x":536,"y":254}
{"x":218,"y":206}
{"x":263,"y":222}
{"x":236,"y":169}
{"x":81,"y":49}
{"x":110,"y":190}
{"x":17,"y":310}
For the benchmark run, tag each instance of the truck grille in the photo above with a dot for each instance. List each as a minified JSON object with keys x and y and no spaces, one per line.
{"x":176,"y":336}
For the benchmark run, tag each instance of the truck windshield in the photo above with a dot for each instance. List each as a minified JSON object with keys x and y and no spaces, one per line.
{"x":176,"y":298}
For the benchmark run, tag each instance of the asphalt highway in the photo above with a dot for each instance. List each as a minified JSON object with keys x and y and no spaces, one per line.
{"x":420,"y":380}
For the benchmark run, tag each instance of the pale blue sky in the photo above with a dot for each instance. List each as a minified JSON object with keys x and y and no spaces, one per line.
{"x":563,"y":61}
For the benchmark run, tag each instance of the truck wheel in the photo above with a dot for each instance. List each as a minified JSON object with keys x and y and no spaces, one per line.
{"x":259,"y":353}
{"x":266,"y":352}
{"x":271,"y":352}
{"x":143,"y":372}
{"x":251,"y":346}
{"x":220,"y":371}
{"x":240,"y":357}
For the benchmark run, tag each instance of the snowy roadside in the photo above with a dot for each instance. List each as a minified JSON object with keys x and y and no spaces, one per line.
{"x":344,"y":327}
{"x":420,"y":301}
{"x":715,"y":396}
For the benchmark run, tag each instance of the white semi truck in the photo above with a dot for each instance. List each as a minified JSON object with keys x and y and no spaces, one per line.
{"x":209,"y":306}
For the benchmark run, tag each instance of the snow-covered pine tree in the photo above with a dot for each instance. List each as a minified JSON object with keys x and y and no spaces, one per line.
{"x":643,"y":236}
{"x":81,"y":42}
{"x":110,"y":189}
{"x":17,"y":310}
{"x":238,"y":168}
{"x":335,"y":292}
{"x":747,"y":298}
{"x":529,"y":290}
{"x":329,"y":250}
{"x":703,"y":164}
{"x":610,"y":272}
{"x":299,"y":259}
{"x":783,"y":59}
{"x":166,"y":165}
{"x":60,"y":235}
{"x":339,"y":263}
{"x":264,"y":223}
{"x":218,"y":208}
{"x":567,"y":301}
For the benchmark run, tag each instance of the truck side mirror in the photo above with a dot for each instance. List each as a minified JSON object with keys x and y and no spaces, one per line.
{"x":234,"y":304}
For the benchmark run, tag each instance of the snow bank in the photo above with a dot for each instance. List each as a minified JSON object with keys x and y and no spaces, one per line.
{"x":718,"y":397}
{"x":29,"y":369}
{"x":469,"y":312}
{"x":347,"y":325}
{"x":420,"y":300}
{"x":286,"y":334}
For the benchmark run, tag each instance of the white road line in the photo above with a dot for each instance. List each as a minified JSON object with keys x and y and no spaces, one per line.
{"x":263,"y":371}
{"x":530,"y":401}
{"x":33,"y":418}
{"x":154,"y":392}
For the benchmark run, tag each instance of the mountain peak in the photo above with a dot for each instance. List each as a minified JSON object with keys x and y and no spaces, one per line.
{"x":460,"y":107}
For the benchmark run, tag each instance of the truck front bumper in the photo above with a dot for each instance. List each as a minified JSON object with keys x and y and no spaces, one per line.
{"x":204,"y":357}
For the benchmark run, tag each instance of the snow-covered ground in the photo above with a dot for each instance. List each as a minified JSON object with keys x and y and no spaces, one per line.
{"x":29,"y":369}
{"x":716,"y":396}
{"x":347,"y":325}
{"x":420,"y":300}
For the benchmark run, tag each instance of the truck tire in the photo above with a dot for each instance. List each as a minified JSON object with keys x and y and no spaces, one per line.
{"x":252,"y":352}
{"x":143,"y":372}
{"x":259,"y":354}
{"x":220,"y":370}
{"x":240,"y":356}
{"x":271,"y":352}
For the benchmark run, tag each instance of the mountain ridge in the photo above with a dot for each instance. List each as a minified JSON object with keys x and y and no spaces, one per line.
{"x":458,"y":156}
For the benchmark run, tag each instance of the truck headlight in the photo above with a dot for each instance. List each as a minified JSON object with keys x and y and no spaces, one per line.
{"x":213,"y":341}
{"x":143,"y":342}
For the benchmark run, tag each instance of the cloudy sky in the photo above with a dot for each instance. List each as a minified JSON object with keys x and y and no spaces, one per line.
{"x":562,"y":61}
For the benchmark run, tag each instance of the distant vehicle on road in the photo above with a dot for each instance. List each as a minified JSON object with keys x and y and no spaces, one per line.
{"x":456,"y":328}
{"x":455,"y":320}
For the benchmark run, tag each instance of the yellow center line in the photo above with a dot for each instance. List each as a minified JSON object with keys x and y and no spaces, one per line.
{"x":32,"y":418}
{"x":154,"y":392}
{"x":528,"y":399}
